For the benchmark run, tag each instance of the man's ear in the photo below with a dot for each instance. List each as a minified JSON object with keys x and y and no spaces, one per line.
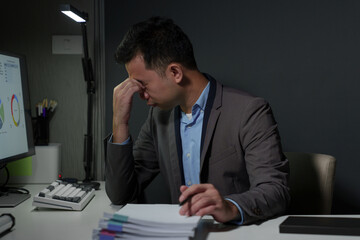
{"x":175,"y":71}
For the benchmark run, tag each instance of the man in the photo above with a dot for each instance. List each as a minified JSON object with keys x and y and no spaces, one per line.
{"x":218,"y":148}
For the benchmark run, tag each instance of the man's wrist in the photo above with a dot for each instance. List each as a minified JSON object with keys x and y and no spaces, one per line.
{"x":120,"y":133}
{"x":239,"y":218}
{"x":233,"y":209}
{"x":127,"y":141}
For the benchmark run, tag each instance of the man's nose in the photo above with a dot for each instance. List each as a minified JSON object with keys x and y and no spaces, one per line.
{"x":146,"y":95}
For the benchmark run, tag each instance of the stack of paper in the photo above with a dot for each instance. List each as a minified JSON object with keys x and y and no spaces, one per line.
{"x":146,"y":221}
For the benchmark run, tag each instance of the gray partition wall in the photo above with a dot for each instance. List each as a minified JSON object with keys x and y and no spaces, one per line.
{"x":301,"y":56}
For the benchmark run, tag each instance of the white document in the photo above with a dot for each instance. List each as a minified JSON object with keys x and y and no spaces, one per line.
{"x":149,"y":221}
{"x":161,"y":215}
{"x":141,"y":230}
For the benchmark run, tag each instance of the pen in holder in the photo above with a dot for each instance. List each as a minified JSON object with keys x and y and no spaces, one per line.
{"x":42,"y":121}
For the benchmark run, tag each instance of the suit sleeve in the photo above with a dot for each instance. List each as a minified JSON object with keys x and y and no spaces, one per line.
{"x":266,"y":165}
{"x":129,"y":169}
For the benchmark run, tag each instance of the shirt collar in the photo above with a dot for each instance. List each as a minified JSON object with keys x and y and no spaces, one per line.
{"x":199,"y":105}
{"x":201,"y":102}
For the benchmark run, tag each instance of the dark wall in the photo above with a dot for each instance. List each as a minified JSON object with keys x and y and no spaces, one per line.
{"x":302,"y":56}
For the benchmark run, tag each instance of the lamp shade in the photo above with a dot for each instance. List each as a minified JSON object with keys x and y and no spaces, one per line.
{"x":73,"y":13}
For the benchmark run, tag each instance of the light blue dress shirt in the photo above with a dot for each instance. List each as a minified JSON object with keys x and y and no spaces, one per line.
{"x":190,"y":132}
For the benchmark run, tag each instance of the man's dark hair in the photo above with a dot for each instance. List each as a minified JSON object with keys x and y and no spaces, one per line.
{"x":160,"y":41}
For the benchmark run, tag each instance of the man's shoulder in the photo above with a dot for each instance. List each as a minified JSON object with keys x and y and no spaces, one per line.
{"x":237,"y":92}
{"x":238,"y":96}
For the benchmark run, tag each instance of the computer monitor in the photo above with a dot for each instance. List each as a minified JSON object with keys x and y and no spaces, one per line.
{"x":16,"y":136}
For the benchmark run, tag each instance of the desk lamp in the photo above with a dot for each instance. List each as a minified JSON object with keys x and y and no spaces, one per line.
{"x":82,"y":18}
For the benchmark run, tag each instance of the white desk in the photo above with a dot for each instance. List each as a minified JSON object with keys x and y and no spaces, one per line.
{"x":58,"y":224}
{"x":33,"y":224}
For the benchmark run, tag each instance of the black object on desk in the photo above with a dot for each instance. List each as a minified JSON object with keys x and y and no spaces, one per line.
{"x":12,"y":196}
{"x":321,"y":225}
{"x":7,"y":222}
{"x":41,"y":130}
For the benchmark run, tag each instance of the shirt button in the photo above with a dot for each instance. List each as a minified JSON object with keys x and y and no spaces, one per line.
{"x":189,"y":183}
{"x":188,"y":155}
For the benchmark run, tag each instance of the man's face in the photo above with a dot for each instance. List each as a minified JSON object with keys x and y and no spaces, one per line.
{"x":159,"y":91}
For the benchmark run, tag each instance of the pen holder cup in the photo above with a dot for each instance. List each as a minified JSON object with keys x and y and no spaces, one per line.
{"x":41,"y":131}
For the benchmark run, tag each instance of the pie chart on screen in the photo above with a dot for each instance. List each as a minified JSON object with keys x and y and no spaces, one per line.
{"x":2,"y":114}
{"x":15,"y":110}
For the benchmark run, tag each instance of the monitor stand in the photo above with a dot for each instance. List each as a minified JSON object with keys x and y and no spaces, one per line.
{"x":12,"y":199}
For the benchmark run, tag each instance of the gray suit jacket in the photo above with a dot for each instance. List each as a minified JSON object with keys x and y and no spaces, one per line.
{"x":241,"y":155}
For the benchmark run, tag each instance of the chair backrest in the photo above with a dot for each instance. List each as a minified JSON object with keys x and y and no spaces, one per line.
{"x":311,"y":182}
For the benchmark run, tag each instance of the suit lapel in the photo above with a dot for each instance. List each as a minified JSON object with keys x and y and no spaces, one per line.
{"x":175,"y":147}
{"x":212,"y":113}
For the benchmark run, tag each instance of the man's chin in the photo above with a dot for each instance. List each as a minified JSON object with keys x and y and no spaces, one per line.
{"x":152,"y":104}
{"x":165,"y":108}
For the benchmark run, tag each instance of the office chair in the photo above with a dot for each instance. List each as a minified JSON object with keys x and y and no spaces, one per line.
{"x":311,"y":182}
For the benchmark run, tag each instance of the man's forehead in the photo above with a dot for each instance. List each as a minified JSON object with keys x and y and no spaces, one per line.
{"x":136,"y":64}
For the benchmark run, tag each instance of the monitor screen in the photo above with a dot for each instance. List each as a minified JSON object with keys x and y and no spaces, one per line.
{"x":16,"y":137}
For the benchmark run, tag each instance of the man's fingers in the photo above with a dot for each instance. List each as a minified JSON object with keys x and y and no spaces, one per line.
{"x":191,"y":195}
{"x":206,"y":200}
{"x":194,"y":203}
{"x":122,"y":103}
{"x":123,"y":94}
{"x":200,"y":204}
{"x":192,"y":190}
{"x":128,"y":84}
{"x":130,"y":87}
{"x":208,"y":210}
{"x":183,"y":188}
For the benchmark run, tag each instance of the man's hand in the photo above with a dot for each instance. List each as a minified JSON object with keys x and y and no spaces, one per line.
{"x":122,"y":102}
{"x":205,"y":199}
